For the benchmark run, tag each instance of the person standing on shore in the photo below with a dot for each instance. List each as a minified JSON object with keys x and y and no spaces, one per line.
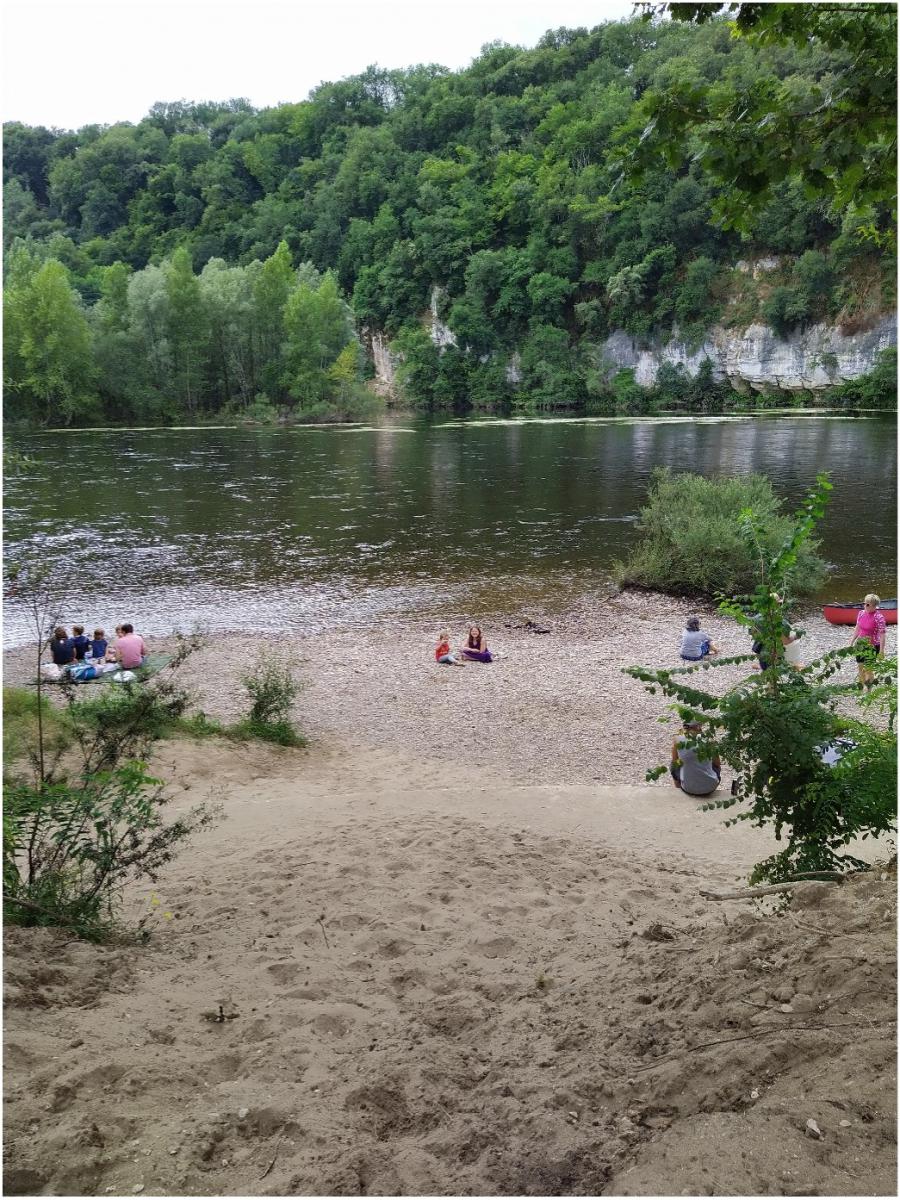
{"x":870,"y":628}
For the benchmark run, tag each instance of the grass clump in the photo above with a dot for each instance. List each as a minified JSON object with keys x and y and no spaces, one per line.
{"x":691,"y":539}
{"x":20,"y":726}
{"x":272,"y":689}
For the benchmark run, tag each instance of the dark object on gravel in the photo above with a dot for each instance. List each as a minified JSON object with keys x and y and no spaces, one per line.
{"x":530,"y":625}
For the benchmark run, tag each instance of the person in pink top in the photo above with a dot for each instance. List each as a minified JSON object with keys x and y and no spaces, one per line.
{"x":130,"y":649}
{"x":870,"y":627}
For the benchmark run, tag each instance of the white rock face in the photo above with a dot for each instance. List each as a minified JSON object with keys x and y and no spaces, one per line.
{"x":757,"y":266}
{"x":754,"y":359}
{"x":442,"y":335}
{"x":816,"y":357}
{"x":385,"y":362}
{"x":514,"y":369}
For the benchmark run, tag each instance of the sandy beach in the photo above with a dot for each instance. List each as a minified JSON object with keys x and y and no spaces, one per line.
{"x":458,"y":947}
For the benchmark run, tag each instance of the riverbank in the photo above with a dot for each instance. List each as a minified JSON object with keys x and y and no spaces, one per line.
{"x":451,"y":949}
{"x":394,"y":974}
{"x":555,"y":708}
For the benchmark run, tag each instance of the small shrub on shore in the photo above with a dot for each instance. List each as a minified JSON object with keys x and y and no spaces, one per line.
{"x":74,"y":836}
{"x":691,"y":541}
{"x":70,"y":847}
{"x":272,"y":689}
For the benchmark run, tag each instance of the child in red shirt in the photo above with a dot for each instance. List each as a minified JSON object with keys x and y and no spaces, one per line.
{"x":443,"y":654}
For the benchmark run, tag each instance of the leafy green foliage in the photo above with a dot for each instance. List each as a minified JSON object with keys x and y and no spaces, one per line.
{"x":272,"y":689}
{"x":831,"y":125}
{"x":202,"y":244}
{"x":74,"y":835}
{"x":70,"y":847}
{"x":692,"y":541}
{"x":878,"y":389}
{"x":773,"y":728}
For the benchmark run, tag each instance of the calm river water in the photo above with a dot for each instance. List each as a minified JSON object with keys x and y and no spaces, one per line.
{"x":307,"y":528}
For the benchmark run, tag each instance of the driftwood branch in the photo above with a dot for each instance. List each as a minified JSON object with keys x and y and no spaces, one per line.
{"x":770,"y":889}
{"x":821,"y":876}
{"x":759,"y":1031}
{"x":273,"y":1159}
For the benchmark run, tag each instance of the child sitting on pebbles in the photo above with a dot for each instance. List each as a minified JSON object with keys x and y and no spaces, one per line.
{"x":444,"y":655}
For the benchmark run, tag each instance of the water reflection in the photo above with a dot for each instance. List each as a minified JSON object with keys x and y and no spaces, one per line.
{"x":308,"y":527}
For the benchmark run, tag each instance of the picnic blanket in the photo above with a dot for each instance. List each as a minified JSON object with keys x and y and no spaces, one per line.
{"x":155,"y":662}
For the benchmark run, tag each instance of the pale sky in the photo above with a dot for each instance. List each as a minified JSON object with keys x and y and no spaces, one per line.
{"x":72,"y":64}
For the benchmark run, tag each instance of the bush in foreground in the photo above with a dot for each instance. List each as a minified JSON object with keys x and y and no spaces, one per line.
{"x":775,"y":727}
{"x":691,"y":541}
{"x":82,"y":817}
{"x":69,"y":847}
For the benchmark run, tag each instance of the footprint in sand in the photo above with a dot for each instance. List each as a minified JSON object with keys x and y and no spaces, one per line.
{"x":284,"y":972}
{"x":331,"y":1024}
{"x":498,"y":947}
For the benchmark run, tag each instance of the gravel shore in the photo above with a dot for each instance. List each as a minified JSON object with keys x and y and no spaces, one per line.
{"x":555,"y":708}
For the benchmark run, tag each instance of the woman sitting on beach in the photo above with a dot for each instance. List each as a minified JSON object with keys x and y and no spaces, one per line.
{"x":476,"y":647}
{"x":694,"y":643}
{"x":111,"y":646}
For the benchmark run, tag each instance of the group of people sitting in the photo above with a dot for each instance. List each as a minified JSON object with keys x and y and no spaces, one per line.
{"x":475,"y":650}
{"x":77,"y":653}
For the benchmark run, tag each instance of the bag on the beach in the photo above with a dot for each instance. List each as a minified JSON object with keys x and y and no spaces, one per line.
{"x":82,"y":673}
{"x":50,"y":672}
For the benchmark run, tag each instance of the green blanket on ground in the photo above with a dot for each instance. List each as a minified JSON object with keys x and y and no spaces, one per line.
{"x":154,"y":662}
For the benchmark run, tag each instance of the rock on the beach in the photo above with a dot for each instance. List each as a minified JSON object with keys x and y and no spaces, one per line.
{"x":813,"y":1130}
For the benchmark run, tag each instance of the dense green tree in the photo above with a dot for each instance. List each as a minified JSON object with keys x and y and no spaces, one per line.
{"x":317,"y":326}
{"x":833,"y":127}
{"x":48,"y":365}
{"x":499,"y":188}
{"x":186,"y":330}
{"x":271,"y":288}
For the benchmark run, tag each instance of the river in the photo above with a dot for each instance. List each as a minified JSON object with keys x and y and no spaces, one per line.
{"x":306,"y":528}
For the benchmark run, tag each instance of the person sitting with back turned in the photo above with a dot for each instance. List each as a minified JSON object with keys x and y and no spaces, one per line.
{"x":62,"y":647}
{"x":99,"y":644}
{"x":694,"y":643}
{"x":80,"y":642}
{"x":111,"y":655}
{"x":130,"y":649}
{"x":693,"y":775}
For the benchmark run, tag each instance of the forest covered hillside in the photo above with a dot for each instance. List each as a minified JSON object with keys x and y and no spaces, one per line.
{"x":214,"y":259}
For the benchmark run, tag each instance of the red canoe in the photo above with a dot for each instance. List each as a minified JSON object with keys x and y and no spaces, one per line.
{"x":846,"y":614}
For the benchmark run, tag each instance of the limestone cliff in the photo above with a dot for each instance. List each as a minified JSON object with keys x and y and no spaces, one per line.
{"x":754,"y":359}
